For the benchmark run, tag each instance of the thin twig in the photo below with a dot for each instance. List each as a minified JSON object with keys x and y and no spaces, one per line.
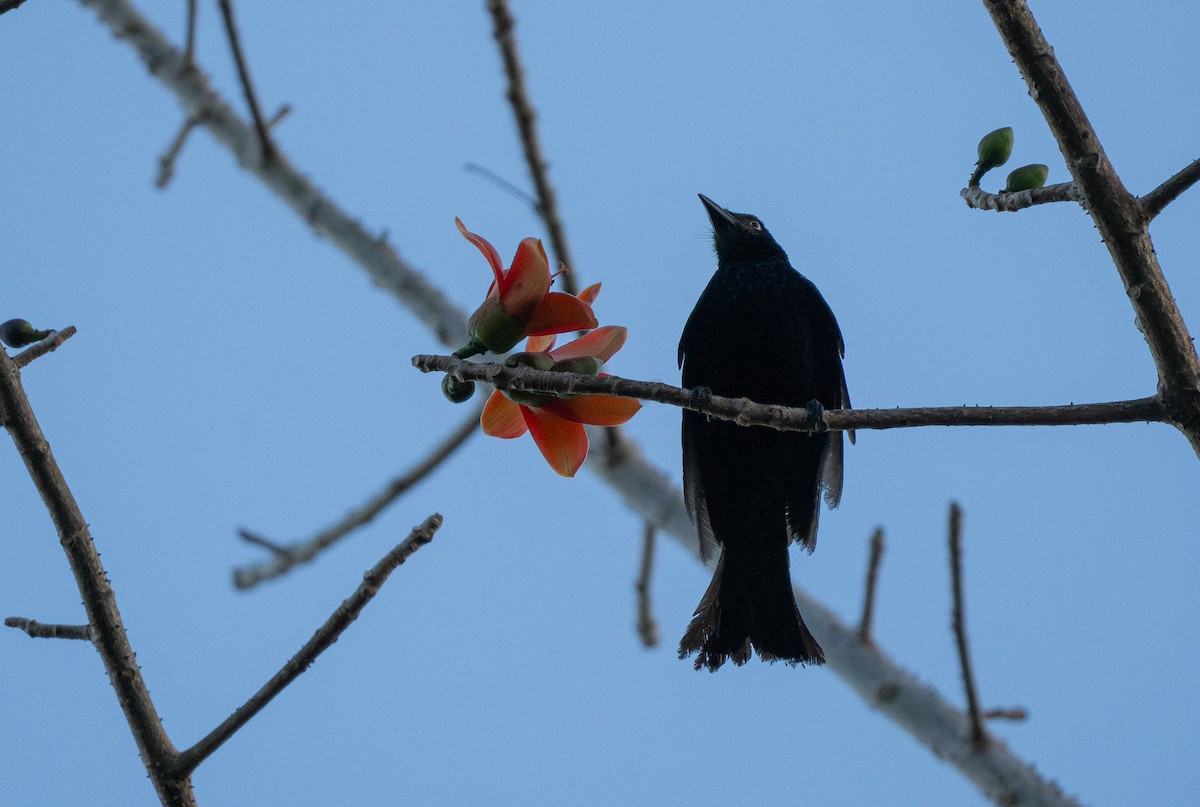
{"x":325,"y":636}
{"x":503,"y":184}
{"x":166,"y":163}
{"x":41,"y":630}
{"x":43,"y":347}
{"x":1154,"y":201}
{"x":868,"y":611}
{"x":264,"y":138}
{"x":518,"y":97}
{"x":287,"y":556}
{"x":99,"y":601}
{"x":1003,"y":202}
{"x":265,"y":543}
{"x":1007,"y":713}
{"x":189,"y":49}
{"x":748,"y":413}
{"x":647,"y":625}
{"x":978,"y":735}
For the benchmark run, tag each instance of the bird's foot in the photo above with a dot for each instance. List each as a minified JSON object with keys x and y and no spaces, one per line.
{"x":701,"y":396}
{"x":816,"y":416}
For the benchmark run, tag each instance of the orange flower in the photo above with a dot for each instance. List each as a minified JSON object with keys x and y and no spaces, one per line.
{"x":519,"y":302}
{"x":555,"y":422}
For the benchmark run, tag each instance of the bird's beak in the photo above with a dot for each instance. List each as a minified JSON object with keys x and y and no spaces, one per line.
{"x":720,"y":217}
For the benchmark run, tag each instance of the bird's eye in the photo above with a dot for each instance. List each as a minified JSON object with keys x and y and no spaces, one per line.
{"x":756,"y":225}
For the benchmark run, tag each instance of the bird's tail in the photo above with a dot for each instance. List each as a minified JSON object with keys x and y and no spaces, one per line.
{"x":749,"y":603}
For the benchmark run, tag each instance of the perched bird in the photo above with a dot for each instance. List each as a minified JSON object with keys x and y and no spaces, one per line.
{"x":762,"y":331}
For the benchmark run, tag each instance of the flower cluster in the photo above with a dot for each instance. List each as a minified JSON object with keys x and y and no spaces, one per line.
{"x":520,"y":304}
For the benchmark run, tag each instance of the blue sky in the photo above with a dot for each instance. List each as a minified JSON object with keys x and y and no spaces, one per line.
{"x":233,"y":370}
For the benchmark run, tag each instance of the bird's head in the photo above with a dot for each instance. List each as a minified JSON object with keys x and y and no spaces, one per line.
{"x":739,"y":236}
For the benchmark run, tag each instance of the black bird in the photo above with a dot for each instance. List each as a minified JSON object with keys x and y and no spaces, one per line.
{"x":760,"y":330}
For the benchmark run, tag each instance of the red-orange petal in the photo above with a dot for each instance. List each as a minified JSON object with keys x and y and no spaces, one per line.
{"x":590,"y":294}
{"x":525,"y":284}
{"x":563,"y":443}
{"x":502,"y":417}
{"x":540,"y":344}
{"x":559,"y":313}
{"x":484,"y":246}
{"x":598,"y":410}
{"x":601,"y":343}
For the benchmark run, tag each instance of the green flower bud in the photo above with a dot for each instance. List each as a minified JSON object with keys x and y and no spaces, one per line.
{"x":1026,"y":177}
{"x":538,"y":361}
{"x":587,"y":365}
{"x":495,"y":330}
{"x":994,"y":150}
{"x":457,"y":391}
{"x":19,"y":333}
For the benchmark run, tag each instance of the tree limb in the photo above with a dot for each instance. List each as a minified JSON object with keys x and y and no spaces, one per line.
{"x":1119,"y":216}
{"x":41,"y":630}
{"x":976,"y":197}
{"x":325,"y":636}
{"x":745,"y":412}
{"x":1154,"y":201}
{"x":285,"y":557}
{"x":99,"y":602}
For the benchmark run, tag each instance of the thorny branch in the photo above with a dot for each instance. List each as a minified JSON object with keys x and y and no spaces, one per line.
{"x":1119,"y":216}
{"x":748,"y":413}
{"x":1154,"y":201}
{"x":99,"y":601}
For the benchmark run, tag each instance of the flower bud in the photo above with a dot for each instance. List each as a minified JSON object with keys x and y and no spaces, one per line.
{"x":538,"y":361}
{"x":1026,"y":177}
{"x":19,"y":333}
{"x":586,"y":365}
{"x":457,"y":391}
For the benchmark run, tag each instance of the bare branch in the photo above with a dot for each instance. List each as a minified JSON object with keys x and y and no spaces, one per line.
{"x":285,"y":557}
{"x":978,"y":735}
{"x":980,"y":199}
{"x":166,"y":163}
{"x":325,"y":636}
{"x":748,"y":413}
{"x":1007,"y":713}
{"x":1154,"y":201}
{"x":518,"y":97}
{"x":264,"y":138}
{"x":1119,"y":216}
{"x":99,"y":602}
{"x":864,"y":624}
{"x":40,"y":630}
{"x":502,"y":183}
{"x":43,"y":347}
{"x":647,"y":625}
